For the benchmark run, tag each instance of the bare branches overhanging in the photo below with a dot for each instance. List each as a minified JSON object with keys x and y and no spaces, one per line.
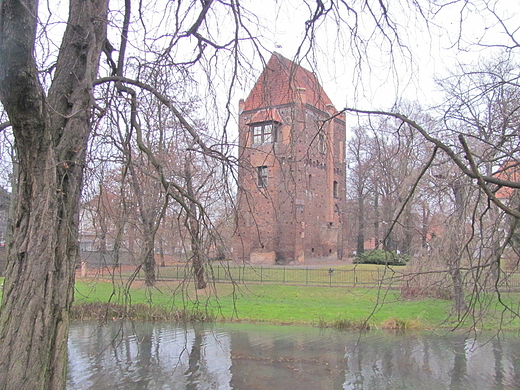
{"x":50,"y":113}
{"x":442,"y":146}
{"x":167,"y":102}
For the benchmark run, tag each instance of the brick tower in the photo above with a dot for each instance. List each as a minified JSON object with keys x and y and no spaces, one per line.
{"x":291,"y":195}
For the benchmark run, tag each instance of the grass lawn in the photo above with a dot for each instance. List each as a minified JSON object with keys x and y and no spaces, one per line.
{"x":301,"y":305}
{"x":327,"y":305}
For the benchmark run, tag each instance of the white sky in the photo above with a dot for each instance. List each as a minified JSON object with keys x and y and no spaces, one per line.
{"x":379,"y":79}
{"x":431,"y":49}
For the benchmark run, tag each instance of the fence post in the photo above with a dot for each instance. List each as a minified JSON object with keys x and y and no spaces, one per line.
{"x":261,"y":276}
{"x":307,"y":276}
{"x":283,"y":275}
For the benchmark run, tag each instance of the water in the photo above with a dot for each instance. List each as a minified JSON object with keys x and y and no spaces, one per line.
{"x":248,"y":357}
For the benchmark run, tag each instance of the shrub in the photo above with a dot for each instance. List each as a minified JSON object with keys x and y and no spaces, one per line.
{"x":426,"y":277}
{"x":379,"y":256}
{"x":344,"y":324}
{"x":397,"y":325}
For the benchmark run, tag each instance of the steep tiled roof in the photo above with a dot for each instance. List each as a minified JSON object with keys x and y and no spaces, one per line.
{"x":279,"y":83}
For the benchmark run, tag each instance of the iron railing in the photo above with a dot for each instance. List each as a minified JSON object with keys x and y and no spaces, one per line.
{"x":390,"y":277}
{"x":286,"y":275}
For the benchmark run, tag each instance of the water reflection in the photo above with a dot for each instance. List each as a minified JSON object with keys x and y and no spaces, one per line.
{"x":239,"y":357}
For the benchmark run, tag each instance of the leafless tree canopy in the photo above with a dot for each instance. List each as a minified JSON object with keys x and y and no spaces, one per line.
{"x":129,"y":76}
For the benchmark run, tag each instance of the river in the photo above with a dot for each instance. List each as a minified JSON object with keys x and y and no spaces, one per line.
{"x":132,"y":356}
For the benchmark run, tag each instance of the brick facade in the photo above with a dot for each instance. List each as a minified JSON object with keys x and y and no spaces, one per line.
{"x":291,"y":196}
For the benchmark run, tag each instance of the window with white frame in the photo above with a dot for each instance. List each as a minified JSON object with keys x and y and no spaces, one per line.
{"x":264,"y":133}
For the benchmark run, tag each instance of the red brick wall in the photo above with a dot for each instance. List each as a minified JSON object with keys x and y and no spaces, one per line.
{"x":296,"y":218}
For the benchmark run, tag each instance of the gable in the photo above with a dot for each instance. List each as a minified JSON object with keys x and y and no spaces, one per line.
{"x":281,"y":82}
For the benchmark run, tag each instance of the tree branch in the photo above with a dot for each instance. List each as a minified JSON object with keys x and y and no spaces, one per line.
{"x":4,"y":125}
{"x":167,"y":184}
{"x":168,"y":103}
{"x":412,"y":191}
{"x":451,"y":154}
{"x":124,"y":38}
{"x":481,"y":182}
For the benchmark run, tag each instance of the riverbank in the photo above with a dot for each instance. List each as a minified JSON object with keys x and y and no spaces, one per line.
{"x":340,"y":307}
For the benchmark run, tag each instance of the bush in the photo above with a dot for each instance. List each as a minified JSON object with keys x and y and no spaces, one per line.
{"x":379,"y":256}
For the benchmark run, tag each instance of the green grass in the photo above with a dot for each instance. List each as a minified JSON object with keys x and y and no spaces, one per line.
{"x":278,"y":304}
{"x":285,"y":304}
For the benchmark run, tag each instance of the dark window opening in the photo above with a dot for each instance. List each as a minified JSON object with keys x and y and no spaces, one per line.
{"x":262,"y":176}
{"x":335,"y":190}
{"x":321,"y":143}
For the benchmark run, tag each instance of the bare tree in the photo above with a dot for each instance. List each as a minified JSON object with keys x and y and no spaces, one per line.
{"x":474,"y":175}
{"x":360,"y":186}
{"x":51,"y":130}
{"x":386,"y":160}
{"x":50,"y":99}
{"x":472,"y":186}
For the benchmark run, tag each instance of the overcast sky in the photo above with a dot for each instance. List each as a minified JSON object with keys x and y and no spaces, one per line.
{"x":456,"y":34}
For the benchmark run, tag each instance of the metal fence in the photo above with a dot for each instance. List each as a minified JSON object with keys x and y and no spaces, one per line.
{"x":389,"y":277}
{"x":286,"y":275}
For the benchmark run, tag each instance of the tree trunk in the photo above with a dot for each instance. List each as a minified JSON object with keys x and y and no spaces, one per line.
{"x":103,"y":227}
{"x":361,"y":225}
{"x":458,"y":290}
{"x":147,"y":254}
{"x":149,"y":223}
{"x":425,"y":226}
{"x":409,"y":229}
{"x":51,"y":135}
{"x":194,"y":230}
{"x":161,"y":251}
{"x":120,"y":230}
{"x":376,"y":218}
{"x":455,"y":242}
